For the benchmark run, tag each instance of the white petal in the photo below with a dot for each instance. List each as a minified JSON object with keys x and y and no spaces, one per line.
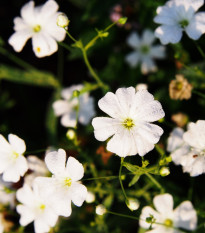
{"x":185,"y":216}
{"x":133,"y":40}
{"x":146,"y":212}
{"x":49,"y":217}
{"x":105,"y":127}
{"x":133,"y":58}
{"x":27,"y":12}
{"x":148,"y":65}
{"x":175,"y":139}
{"x":25,"y":195}
{"x":21,"y":165}
{"x":87,"y":111}
{"x":69,"y":119}
{"x":11,"y":174}
{"x":19,"y":39}
{"x":40,"y":226}
{"x":18,"y":145}
{"x":55,"y":161}
{"x":74,"y":168}
{"x":168,"y":34}
{"x":163,"y":203}
{"x":67,"y":93}
{"x":165,"y":16}
{"x":157,"y":51}
{"x":148,"y":37}
{"x":27,"y":216}
{"x":79,"y":194}
{"x":61,"y":107}
{"x":48,"y":9}
{"x":43,"y":45}
{"x":177,"y":155}
{"x":20,"y":24}
{"x":5,"y":147}
{"x":110,"y":105}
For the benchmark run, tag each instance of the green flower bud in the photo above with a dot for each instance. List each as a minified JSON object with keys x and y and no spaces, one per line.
{"x":164,"y":171}
{"x":122,"y":20}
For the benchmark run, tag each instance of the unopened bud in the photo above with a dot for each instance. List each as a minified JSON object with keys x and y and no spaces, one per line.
{"x":122,"y":20}
{"x":164,"y":171}
{"x":70,"y":134}
{"x":133,"y":204}
{"x":62,"y":21}
{"x":100,"y":209}
{"x":90,"y":197}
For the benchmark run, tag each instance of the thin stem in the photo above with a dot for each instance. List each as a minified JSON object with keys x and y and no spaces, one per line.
{"x":198,"y":93}
{"x":120,"y":179}
{"x":15,"y":59}
{"x":122,"y":215}
{"x":64,"y":46}
{"x":200,"y":50}
{"x":154,"y":181}
{"x":71,"y":37}
{"x":60,"y":64}
{"x":102,"y":177}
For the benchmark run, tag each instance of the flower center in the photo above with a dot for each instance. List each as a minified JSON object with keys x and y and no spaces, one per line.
{"x":144,"y":49}
{"x":128,"y":123}
{"x":179,"y":85}
{"x":184,"y":23}
{"x":168,"y":222}
{"x":37,"y":28}
{"x":14,"y":155}
{"x":67,"y":181}
{"x":42,"y":207}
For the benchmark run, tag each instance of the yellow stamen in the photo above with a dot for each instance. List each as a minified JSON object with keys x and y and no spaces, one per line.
{"x":37,"y":28}
{"x":68,"y":181}
{"x":168,"y":222}
{"x":128,"y":123}
{"x":38,"y":49}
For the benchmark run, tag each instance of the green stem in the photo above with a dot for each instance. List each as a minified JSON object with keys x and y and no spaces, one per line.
{"x":198,"y":93}
{"x":154,"y":181}
{"x":102,"y":177}
{"x":71,"y":37}
{"x":120,"y":179}
{"x":16,"y":59}
{"x":200,"y":50}
{"x":122,"y":215}
{"x":93,"y":73}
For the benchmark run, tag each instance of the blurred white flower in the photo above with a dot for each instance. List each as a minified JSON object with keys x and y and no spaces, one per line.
{"x":7,"y":195}
{"x":133,"y":204}
{"x":188,"y":149}
{"x":100,"y":209}
{"x":68,"y":107}
{"x":144,"y":51}
{"x":13,"y":164}
{"x":90,"y":197}
{"x":129,"y":126}
{"x":141,"y":86}
{"x":38,"y":23}
{"x":184,"y":216}
{"x":35,"y":208}
{"x":178,"y":16}
{"x":1,"y":224}
{"x":64,"y":186}
{"x":37,"y":167}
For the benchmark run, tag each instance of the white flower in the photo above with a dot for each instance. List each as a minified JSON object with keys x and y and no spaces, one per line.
{"x":1,"y":223}
{"x":90,"y":197}
{"x":178,"y":16}
{"x":141,"y":86}
{"x":38,"y":23}
{"x":184,"y":216}
{"x":68,"y":107}
{"x":188,"y":149}
{"x":100,"y":209}
{"x":62,"y":21}
{"x":12,"y":162}
{"x":64,"y":186}
{"x":38,"y":168}
{"x":144,"y":51}
{"x":7,"y":195}
{"x":133,"y":204}
{"x":35,"y":208}
{"x":131,"y":113}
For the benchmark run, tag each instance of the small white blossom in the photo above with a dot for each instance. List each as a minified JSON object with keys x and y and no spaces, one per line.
{"x":130,"y":123}
{"x":100,"y":209}
{"x":133,"y":204}
{"x":141,"y":86}
{"x":7,"y":195}
{"x":37,"y":167}
{"x":90,"y":197}
{"x":62,"y":21}
{"x":64,"y":186}
{"x":188,"y":149}
{"x":184,"y":216}
{"x":68,"y":107}
{"x":38,"y":23}
{"x":13,"y":164}
{"x":35,"y":208}
{"x":178,"y":16}
{"x":144,"y":51}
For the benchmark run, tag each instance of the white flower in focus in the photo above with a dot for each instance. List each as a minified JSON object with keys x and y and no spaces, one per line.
{"x":7,"y":195}
{"x":68,"y":107}
{"x":37,"y":167}
{"x":188,"y":149}
{"x":100,"y":209}
{"x":130,"y":126}
{"x":178,"y":16}
{"x":144,"y":51}
{"x":184,"y":216}
{"x":35,"y":208}
{"x":90,"y":197}
{"x":13,"y":164}
{"x":38,"y":23}
{"x":64,"y":186}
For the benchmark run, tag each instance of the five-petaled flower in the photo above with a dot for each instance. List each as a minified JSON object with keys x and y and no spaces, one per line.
{"x":38,"y":23}
{"x":130,"y":123}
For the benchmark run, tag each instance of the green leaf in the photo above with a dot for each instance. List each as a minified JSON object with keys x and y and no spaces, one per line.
{"x":30,"y":77}
{"x":108,"y":201}
{"x":131,"y":168}
{"x":141,"y":230}
{"x":134,"y":180}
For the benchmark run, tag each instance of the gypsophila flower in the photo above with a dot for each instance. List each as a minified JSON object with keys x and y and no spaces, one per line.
{"x":69,"y":106}
{"x":188,"y":149}
{"x":35,"y":208}
{"x":130,"y":123}
{"x":178,"y":16}
{"x":7,"y":195}
{"x":64,"y":186}
{"x":38,"y":23}
{"x":100,"y":209}
{"x":184,"y":216}
{"x":133,"y":204}
{"x":144,"y":52}
{"x":13,"y":164}
{"x":90,"y":197}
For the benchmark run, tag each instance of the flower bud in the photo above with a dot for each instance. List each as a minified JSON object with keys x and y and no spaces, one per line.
{"x":122,"y":20}
{"x":100,"y":209}
{"x":70,"y":134}
{"x":133,"y":204}
{"x":90,"y":197}
{"x":164,"y":171}
{"x":63,"y":21}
